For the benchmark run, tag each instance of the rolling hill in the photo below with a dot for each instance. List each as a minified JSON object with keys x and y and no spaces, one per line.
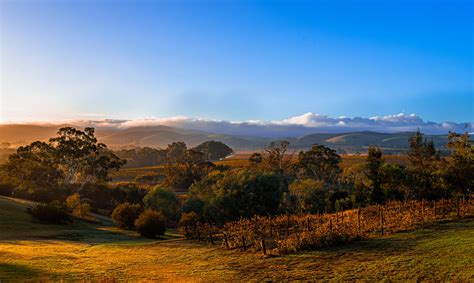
{"x":160,"y":136}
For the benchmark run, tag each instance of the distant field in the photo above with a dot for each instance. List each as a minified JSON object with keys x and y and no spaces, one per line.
{"x":92,"y":252}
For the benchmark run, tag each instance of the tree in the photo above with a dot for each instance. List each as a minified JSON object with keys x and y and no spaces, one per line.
{"x":184,"y":167}
{"x":81,"y":158}
{"x":355,"y":178}
{"x":214,"y":150}
{"x":72,"y":158}
{"x":276,"y":157}
{"x":237,"y":193}
{"x":142,"y":156}
{"x":163,"y":200}
{"x":310,"y":195}
{"x":255,"y":159}
{"x":373,"y":165}
{"x":319,"y":163}
{"x":424,"y":161}
{"x":396,"y":183}
{"x":125,"y":214}
{"x":33,"y":167}
{"x":459,"y":172}
{"x":150,"y":224}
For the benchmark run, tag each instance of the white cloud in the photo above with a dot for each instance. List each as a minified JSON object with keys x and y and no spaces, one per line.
{"x":293,"y":126}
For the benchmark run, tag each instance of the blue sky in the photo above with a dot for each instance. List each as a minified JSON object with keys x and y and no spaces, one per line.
{"x":236,"y":60}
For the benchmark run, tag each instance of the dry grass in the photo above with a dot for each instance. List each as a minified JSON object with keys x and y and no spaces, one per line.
{"x":90,"y":252}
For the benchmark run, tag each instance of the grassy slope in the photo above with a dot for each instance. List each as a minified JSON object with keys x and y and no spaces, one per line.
{"x":85,"y":251}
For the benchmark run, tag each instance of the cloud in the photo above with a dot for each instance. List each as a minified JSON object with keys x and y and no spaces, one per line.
{"x":307,"y":123}
{"x":301,"y":125}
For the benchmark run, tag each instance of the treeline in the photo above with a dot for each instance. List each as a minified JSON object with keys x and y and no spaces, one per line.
{"x":146,"y":156}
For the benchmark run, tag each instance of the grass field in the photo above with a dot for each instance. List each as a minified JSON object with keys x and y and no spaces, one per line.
{"x":86,"y":251}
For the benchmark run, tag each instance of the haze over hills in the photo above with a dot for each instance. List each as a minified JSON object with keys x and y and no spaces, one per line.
{"x":159,"y":136}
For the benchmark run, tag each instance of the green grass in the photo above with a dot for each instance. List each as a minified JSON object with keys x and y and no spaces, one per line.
{"x":85,"y":251}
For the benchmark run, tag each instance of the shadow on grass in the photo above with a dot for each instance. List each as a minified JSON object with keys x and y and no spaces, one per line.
{"x":398,"y":242}
{"x":19,"y":271}
{"x":86,"y":233}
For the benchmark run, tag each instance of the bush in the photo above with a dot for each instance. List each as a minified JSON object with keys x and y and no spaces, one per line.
{"x":188,"y":219}
{"x":164,"y":200}
{"x":78,"y":206}
{"x":125,"y":214}
{"x":6,"y":189}
{"x":150,"y":224}
{"x":53,"y":213}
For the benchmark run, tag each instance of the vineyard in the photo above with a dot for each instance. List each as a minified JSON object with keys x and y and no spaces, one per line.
{"x":291,"y":233}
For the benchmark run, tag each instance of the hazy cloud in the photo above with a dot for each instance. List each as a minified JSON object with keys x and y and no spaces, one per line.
{"x":299,"y":125}
{"x":307,"y":123}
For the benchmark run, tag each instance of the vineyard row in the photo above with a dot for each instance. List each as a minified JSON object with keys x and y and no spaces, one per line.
{"x":291,"y":233}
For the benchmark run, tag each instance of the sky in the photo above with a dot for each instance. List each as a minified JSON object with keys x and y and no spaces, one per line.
{"x":236,"y":60}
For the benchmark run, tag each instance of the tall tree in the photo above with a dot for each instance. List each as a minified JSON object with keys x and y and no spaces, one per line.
{"x":184,"y":166}
{"x":424,"y":160}
{"x":81,"y":158}
{"x":276,"y":158}
{"x":373,"y":165}
{"x":459,"y":172}
{"x":319,"y":163}
{"x":73,"y":157}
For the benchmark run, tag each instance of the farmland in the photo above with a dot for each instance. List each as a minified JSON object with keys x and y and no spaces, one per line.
{"x":85,"y":251}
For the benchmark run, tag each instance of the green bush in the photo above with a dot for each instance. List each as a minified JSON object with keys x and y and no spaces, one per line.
{"x":164,"y":200}
{"x":52,"y":213}
{"x":125,"y":214}
{"x":150,"y":224}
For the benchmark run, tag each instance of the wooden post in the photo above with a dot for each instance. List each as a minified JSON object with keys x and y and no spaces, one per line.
{"x":422,"y":212}
{"x":330,"y":224}
{"x":243,"y":243}
{"x":337,"y":216}
{"x":442,"y":207}
{"x":264,"y":248}
{"x":434,"y":209}
{"x":198,"y":234}
{"x":457,"y":209}
{"x":270,"y":235}
{"x":226,"y":241}
{"x":287,"y":225}
{"x":309,"y":224}
{"x":210,"y":236}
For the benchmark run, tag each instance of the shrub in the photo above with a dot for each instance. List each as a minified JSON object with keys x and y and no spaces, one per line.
{"x":188,"y":219}
{"x":53,"y":213}
{"x":6,"y":189}
{"x":164,"y":200}
{"x":150,"y":224}
{"x":79,"y":207}
{"x":125,"y":214}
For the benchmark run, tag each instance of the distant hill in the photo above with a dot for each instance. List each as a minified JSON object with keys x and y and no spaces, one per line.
{"x":359,"y":141}
{"x":161,"y":136}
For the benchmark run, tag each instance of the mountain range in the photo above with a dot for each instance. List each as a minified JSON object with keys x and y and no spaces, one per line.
{"x":159,"y":136}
